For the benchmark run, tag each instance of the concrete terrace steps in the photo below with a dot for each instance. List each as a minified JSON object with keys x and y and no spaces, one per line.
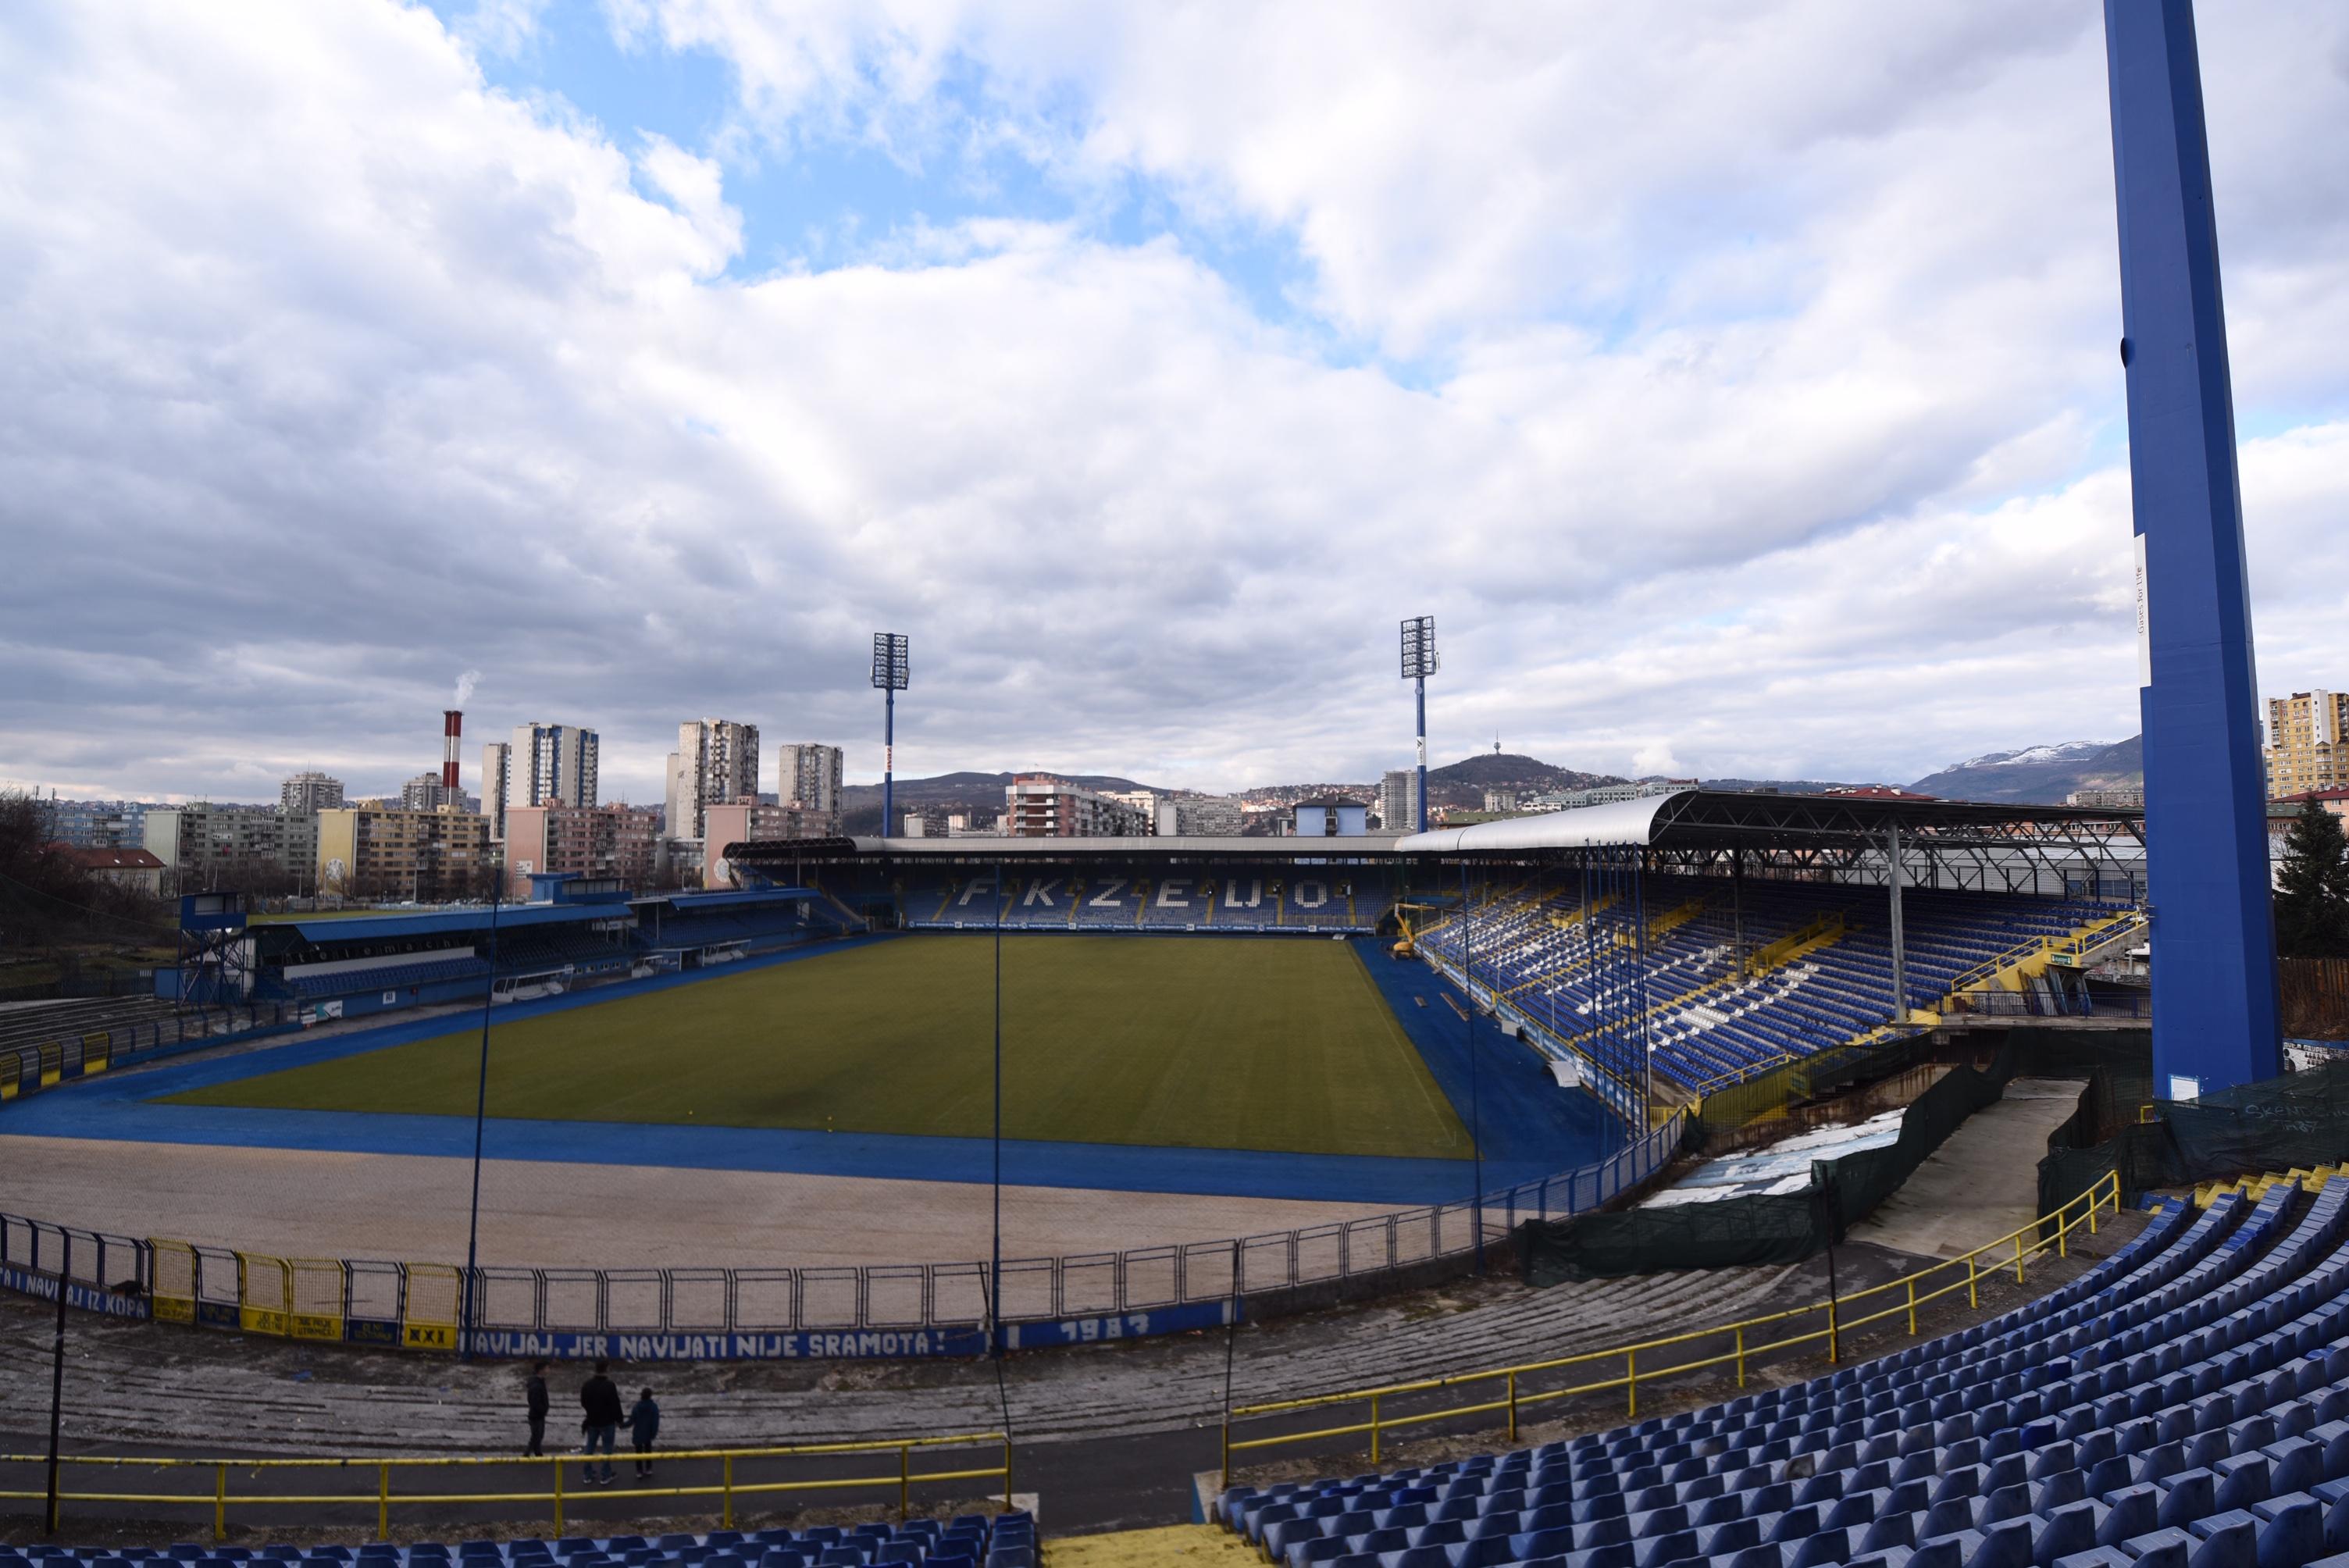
{"x":164,"y":1385}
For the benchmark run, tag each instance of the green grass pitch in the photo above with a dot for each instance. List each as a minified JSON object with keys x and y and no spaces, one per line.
{"x":1192,"y":1042}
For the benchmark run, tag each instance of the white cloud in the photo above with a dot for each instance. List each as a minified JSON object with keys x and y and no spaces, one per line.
{"x":1766,"y":424}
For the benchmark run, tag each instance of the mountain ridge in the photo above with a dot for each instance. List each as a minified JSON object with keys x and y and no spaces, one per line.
{"x":2041,"y":774}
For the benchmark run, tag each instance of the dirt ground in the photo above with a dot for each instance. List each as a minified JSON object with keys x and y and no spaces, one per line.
{"x":413,"y":1208}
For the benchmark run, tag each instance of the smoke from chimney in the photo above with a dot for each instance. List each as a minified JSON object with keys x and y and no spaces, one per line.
{"x":453,"y":727}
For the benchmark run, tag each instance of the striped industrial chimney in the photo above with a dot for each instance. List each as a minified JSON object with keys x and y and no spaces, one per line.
{"x":452,"y":729}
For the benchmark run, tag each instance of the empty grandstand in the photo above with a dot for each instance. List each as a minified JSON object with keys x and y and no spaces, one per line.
{"x":1654,"y":948}
{"x":1673,"y":945}
{"x":578,"y":932}
{"x":43,"y":1043}
{"x":2183,"y":1405}
{"x":1727,"y":978}
{"x":1114,"y":897}
{"x":1006,"y":1540}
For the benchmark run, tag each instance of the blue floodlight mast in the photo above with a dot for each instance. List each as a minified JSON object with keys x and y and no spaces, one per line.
{"x":1419,"y":662}
{"x":889,"y":673}
{"x":2213,"y":928}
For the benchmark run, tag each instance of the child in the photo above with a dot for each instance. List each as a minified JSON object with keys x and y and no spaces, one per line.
{"x":643,"y":1425}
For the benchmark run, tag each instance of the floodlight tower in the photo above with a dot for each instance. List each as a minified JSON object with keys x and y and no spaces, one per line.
{"x":1419,"y":662}
{"x":2210,"y":909}
{"x":888,"y":674}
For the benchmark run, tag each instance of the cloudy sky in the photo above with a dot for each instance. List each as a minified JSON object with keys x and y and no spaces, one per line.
{"x":1734,"y":382}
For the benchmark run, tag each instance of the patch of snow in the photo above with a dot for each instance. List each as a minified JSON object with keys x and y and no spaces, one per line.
{"x":2069,"y":751}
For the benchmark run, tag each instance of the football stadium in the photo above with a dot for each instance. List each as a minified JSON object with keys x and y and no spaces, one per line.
{"x":1700,"y":1178}
{"x":1132,"y":1066}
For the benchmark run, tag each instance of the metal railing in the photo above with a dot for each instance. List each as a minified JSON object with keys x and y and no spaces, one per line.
{"x":417,"y":1305}
{"x":1504,"y":1391}
{"x":1958,"y":1006}
{"x":28,"y":1066}
{"x":729,"y":1485}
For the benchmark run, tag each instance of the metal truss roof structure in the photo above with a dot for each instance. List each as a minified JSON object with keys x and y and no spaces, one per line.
{"x":1835,"y":838}
{"x":1954,"y":844}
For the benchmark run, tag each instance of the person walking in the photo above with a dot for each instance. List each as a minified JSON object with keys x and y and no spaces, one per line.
{"x":534,"y":1391}
{"x":599,"y":1400}
{"x":644,"y":1426}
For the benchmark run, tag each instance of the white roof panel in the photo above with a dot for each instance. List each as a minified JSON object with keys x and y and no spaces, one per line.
{"x":1586,"y":827}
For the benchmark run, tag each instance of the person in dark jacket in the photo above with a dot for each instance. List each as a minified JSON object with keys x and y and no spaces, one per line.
{"x":644,"y":1426}
{"x":535,"y":1392}
{"x":600,"y":1401}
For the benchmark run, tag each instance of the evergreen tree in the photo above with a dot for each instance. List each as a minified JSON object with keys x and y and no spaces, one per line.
{"x":2312,"y":900}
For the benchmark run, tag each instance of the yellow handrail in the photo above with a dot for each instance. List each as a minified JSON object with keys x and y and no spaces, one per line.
{"x":2104,"y":1194}
{"x":217,"y":1496}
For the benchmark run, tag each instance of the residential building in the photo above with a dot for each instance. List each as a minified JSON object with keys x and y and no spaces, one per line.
{"x":716,"y":762}
{"x":1143,"y":802}
{"x":810,"y":777}
{"x":130,"y":867}
{"x":732,"y":822}
{"x":206,"y":847}
{"x":1640,"y":788}
{"x":2124,"y":797}
{"x":1045,"y":805}
{"x":425,"y":792}
{"x":551,"y":765}
{"x":1201,"y":815}
{"x":616,"y":840}
{"x":497,"y":776}
{"x":1500,"y":802}
{"x":98,"y":824}
{"x":1399,"y":800}
{"x":310,"y":792}
{"x":2284,"y":813}
{"x":2305,"y":750}
{"x":367,"y":853}
{"x":1332,"y":818}
{"x":2336,"y":800}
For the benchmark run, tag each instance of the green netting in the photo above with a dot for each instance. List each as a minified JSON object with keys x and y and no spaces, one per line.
{"x":2299,"y":1120}
{"x":1791,"y":1227}
{"x":1762,"y":1229}
{"x":1725,"y":1110}
{"x":2104,"y":1135}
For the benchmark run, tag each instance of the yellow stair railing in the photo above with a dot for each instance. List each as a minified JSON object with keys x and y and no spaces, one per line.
{"x":1502,"y":1391}
{"x":727,"y":1487}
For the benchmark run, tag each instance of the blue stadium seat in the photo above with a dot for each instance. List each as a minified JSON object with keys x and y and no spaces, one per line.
{"x":2184,"y":1402}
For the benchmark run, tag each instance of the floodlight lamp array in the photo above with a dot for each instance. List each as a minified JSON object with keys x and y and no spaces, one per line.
{"x":890,"y":663}
{"x":1419,"y":657}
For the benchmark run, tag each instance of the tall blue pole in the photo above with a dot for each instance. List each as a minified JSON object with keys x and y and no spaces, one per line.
{"x":888,"y":761}
{"x":1422,"y":684}
{"x":2213,"y":929}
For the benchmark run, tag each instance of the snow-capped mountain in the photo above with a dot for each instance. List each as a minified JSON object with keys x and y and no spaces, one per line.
{"x":2070,"y":751}
{"x":2040,"y":775}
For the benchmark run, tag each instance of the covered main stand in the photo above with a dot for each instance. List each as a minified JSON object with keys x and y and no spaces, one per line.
{"x":1590,"y":892}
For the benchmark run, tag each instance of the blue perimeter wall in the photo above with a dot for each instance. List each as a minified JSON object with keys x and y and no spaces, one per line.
{"x":1529,"y":1126}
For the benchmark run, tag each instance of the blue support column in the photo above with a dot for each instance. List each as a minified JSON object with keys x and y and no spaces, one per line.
{"x":2213,"y":937}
